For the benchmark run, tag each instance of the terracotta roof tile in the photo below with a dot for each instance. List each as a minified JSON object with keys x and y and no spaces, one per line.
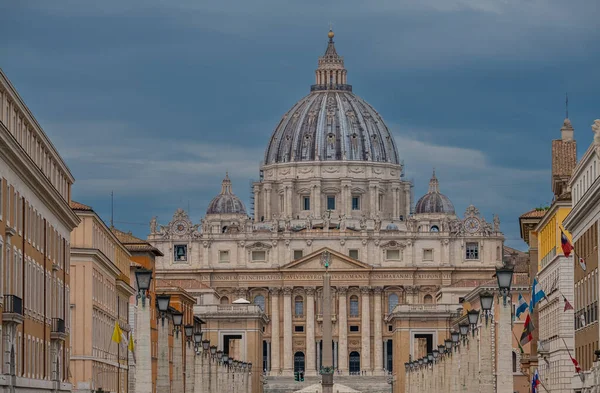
{"x":80,"y":206}
{"x":133,"y":243}
{"x":535,"y":213}
{"x":564,"y":157}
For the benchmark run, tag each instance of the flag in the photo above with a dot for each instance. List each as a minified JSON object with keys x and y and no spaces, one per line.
{"x":117,"y":333}
{"x":577,"y":368}
{"x":537,"y":294}
{"x":535,"y":382}
{"x":520,"y":348}
{"x":528,"y":328}
{"x":522,"y":306}
{"x":566,"y":245}
{"x":131,"y":345}
{"x":582,"y":264}
{"x":567,"y":304}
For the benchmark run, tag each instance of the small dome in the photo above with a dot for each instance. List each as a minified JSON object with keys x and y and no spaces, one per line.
{"x":434,"y":201}
{"x":226,"y":202}
{"x":391,"y":227}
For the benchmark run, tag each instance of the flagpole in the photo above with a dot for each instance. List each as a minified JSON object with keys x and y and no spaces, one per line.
{"x":569,"y":352}
{"x":541,"y":383}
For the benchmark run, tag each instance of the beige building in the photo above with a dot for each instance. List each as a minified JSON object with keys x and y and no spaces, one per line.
{"x":583,"y":223}
{"x":331,"y":180}
{"x":100,"y":267}
{"x":35,"y":224}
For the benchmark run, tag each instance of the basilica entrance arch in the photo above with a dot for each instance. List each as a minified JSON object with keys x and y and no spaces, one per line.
{"x":354,"y":362}
{"x":299,"y":361}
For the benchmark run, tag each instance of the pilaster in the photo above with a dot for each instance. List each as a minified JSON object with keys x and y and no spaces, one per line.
{"x":342,"y":330}
{"x":310,"y":331}
{"x":365,"y":354}
{"x":288,"y":365}
{"x":504,"y":362}
{"x":275,"y":352}
{"x":177,"y":382}
{"x":143,"y":341}
{"x":163,"y":384}
{"x":378,"y":336}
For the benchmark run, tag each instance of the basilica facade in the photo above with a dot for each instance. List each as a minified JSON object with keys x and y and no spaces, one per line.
{"x":332,"y":180}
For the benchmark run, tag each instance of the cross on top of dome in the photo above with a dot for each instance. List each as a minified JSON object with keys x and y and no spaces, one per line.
{"x":330,"y":73}
{"x":434,"y":185}
{"x":226,"y":185}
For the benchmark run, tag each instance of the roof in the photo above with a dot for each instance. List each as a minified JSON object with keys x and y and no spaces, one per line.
{"x":519,"y":279}
{"x":519,"y":259}
{"x":534,"y":213}
{"x":564,"y":154}
{"x":135,"y":244}
{"x":80,"y":206}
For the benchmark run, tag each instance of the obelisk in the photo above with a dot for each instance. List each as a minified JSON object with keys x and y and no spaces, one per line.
{"x":327,"y":367}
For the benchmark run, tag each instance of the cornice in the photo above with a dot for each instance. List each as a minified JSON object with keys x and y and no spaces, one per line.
{"x":125,"y":288}
{"x":583,"y":162}
{"x":586,"y":204}
{"x":94,"y":215}
{"x":98,"y":256}
{"x":556,"y":205}
{"x":33,"y":177}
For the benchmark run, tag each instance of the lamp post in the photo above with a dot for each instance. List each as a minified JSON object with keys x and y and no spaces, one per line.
{"x":177,"y":321}
{"x":162,"y":302}
{"x":464,"y":330}
{"x":504,"y":275}
{"x":143,"y":278}
{"x":473,"y":316}
{"x":189,"y":334}
{"x":486,"y":299}
{"x":455,"y":338}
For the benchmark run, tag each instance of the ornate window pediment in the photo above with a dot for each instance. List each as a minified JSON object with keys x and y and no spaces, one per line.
{"x":358,"y":190}
{"x":259,"y":246}
{"x":393,"y":244}
{"x":330,"y":190}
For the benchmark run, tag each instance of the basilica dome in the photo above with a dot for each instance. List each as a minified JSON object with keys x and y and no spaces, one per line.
{"x":226,"y":202}
{"x":434,"y":201}
{"x":331,"y":123}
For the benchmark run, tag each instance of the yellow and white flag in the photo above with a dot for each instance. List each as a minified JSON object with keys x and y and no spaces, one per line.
{"x":117,"y":333}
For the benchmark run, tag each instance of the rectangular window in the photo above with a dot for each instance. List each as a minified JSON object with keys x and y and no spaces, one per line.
{"x":354,"y":328}
{"x":390,"y":328}
{"x":259,"y":256}
{"x":472,"y":250}
{"x":355,"y":203}
{"x":298,"y":328}
{"x":353,"y":254}
{"x":392,"y":255}
{"x":306,"y":203}
{"x":330,"y":202}
{"x":427,"y":254}
{"x":298,"y":254}
{"x":180,"y":252}
{"x":223,"y":256}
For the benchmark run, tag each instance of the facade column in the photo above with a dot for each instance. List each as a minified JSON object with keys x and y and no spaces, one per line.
{"x":177,"y":383}
{"x":143,"y":367}
{"x":365,"y":353}
{"x":378,"y":334}
{"x":257,"y":207}
{"x":275,"y":363}
{"x":504,"y":373}
{"x":288,"y":365}
{"x":310,"y":331}
{"x":267,"y":199}
{"x":190,"y":368}
{"x":486,"y":360}
{"x":317,"y":200}
{"x":198,"y":365}
{"x":163,"y":383}
{"x":342,"y":330}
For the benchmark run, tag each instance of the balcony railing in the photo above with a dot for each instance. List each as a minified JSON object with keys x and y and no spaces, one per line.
{"x":58,"y":325}
{"x":13,"y":305}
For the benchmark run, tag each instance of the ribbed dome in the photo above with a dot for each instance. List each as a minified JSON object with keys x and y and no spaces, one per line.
{"x":226,"y":202}
{"x":434,"y":201}
{"x":331,"y":123}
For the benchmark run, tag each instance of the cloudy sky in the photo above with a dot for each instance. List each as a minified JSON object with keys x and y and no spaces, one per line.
{"x":156,"y":99}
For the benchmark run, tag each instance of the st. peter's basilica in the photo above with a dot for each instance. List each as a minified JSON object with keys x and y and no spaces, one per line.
{"x":332,"y":180}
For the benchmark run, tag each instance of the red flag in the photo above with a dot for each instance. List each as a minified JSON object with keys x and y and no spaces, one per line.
{"x":567,"y":304}
{"x":528,"y":328}
{"x":566,"y":245}
{"x":582,"y":264}
{"x":577,"y":368}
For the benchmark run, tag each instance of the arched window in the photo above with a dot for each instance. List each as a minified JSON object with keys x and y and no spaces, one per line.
{"x":392,"y":302}
{"x":428,"y":299}
{"x":354,"y":306}
{"x":259,"y":300}
{"x":224,"y":300}
{"x":299,"y":306}
{"x":434,"y":228}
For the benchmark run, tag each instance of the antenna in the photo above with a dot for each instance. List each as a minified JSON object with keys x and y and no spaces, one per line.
{"x":567,"y":105}
{"x":112,"y":209}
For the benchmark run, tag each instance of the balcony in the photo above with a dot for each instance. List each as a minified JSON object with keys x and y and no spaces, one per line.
{"x":13,"y":309}
{"x":320,"y":317}
{"x":58,"y":331}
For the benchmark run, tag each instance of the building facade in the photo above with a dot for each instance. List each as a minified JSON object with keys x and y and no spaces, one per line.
{"x":582,"y":222}
{"x":100,"y":267}
{"x":332,"y":180}
{"x":35,"y":226}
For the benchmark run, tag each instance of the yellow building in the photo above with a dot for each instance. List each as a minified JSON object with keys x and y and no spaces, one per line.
{"x":35,"y":223}
{"x":100,"y":267}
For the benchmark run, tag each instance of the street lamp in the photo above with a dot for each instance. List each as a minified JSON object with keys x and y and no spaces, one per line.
{"x":486,"y":299}
{"x":177,"y":321}
{"x":448,"y":344}
{"x":143,"y":277}
{"x":463,"y":327}
{"x":455,"y":338}
{"x":219,"y":356}
{"x":213,"y":351}
{"x":205,"y":345}
{"x":162,"y":302}
{"x":189,"y":333}
{"x":225,"y":358}
{"x":504,"y":276}
{"x":473,"y":316}
{"x":197,"y":340}
{"x":249,"y":367}
{"x":435,"y":354}
{"x":441,"y":349}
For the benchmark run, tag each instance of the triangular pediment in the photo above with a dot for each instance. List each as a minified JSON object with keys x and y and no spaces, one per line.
{"x":338,"y":261}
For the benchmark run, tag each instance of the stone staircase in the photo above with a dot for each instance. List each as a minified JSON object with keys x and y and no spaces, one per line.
{"x":364,"y":384}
